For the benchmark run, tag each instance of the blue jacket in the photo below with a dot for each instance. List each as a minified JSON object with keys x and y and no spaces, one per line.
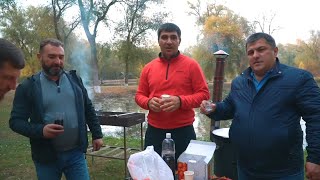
{"x":28,"y":104}
{"x":265,"y":130}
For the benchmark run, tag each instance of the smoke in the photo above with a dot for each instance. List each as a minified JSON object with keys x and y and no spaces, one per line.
{"x":80,"y":61}
{"x":218,"y":42}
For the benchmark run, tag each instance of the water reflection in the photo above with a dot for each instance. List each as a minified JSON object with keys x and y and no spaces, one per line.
{"x":125,"y":104}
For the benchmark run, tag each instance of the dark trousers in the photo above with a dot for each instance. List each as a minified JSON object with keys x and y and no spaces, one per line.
{"x":181,"y":136}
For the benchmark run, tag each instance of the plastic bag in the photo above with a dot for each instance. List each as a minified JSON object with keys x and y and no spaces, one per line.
{"x":148,"y":165}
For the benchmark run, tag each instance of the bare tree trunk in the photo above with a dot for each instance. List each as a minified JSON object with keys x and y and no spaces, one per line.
{"x":88,"y":16}
{"x":94,"y":63}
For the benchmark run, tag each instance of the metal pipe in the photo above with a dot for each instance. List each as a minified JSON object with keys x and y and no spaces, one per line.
{"x":218,"y":81}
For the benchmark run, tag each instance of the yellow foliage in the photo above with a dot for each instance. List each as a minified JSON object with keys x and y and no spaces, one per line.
{"x":26,"y":71}
{"x":301,"y":65}
{"x":226,"y":26}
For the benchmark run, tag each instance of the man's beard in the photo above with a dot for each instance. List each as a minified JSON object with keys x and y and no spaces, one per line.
{"x":51,"y":70}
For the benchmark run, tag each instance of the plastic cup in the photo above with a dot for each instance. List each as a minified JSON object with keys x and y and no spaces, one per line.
{"x":208,"y":106}
{"x":165,"y":96}
{"x":188,"y":175}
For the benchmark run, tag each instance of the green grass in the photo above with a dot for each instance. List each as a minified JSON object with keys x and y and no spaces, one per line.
{"x":15,"y":157}
{"x":15,"y":153}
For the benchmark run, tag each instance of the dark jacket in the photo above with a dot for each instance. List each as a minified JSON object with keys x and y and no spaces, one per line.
{"x":265,"y":130}
{"x":28,"y":104}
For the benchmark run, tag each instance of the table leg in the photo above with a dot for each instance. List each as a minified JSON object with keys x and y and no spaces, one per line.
{"x":125,"y":151}
{"x":141,"y":137}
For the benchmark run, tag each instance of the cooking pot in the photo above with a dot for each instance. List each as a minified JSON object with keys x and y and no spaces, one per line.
{"x":225,"y":162}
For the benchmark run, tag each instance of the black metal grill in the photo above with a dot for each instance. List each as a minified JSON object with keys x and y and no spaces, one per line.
{"x":122,"y":119}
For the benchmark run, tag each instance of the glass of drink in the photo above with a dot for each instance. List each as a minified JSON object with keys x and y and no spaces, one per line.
{"x":59,"y":117}
{"x":208,"y":106}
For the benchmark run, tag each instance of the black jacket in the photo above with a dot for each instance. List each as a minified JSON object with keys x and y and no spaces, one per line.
{"x":27,"y":116}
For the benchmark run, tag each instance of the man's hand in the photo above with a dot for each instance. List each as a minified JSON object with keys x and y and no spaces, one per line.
{"x":170,"y":104}
{"x":96,"y":144}
{"x":203,"y":107}
{"x":154,"y":104}
{"x":52,"y":130}
{"x":312,"y":171}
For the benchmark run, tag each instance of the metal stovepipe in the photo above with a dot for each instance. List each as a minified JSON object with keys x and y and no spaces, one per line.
{"x":218,"y":81}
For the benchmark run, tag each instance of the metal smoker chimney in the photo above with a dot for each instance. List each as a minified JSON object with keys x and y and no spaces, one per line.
{"x":218,"y":81}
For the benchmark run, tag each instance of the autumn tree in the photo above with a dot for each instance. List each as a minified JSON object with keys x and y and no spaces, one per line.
{"x":109,"y":66}
{"x":26,"y":30}
{"x":265,"y":23}
{"x":287,"y":53}
{"x":92,"y":14}
{"x":201,"y":10}
{"x":63,"y":29}
{"x":308,"y":56}
{"x":222,"y":29}
{"x":132,"y":30}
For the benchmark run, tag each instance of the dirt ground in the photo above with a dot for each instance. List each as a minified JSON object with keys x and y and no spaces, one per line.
{"x":117,"y":91}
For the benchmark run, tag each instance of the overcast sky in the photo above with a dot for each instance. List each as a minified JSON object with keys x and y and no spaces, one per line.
{"x":295,"y":18}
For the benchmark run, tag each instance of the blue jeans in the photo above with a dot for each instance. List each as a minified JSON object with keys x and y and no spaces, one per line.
{"x":72,"y":163}
{"x":243,"y":176}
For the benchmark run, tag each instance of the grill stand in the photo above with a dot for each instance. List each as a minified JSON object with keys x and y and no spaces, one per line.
{"x":124,"y":120}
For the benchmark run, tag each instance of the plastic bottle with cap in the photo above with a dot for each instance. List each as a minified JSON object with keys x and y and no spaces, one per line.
{"x":168,"y":152}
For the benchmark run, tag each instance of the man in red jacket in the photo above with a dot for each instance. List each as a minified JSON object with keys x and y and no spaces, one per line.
{"x":181,"y":78}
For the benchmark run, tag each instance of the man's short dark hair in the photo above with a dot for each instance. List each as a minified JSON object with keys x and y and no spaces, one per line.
{"x":261,"y":35}
{"x":51,"y":41}
{"x":9,"y":53}
{"x":169,"y":27}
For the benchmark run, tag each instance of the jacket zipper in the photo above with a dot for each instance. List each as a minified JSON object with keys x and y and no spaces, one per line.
{"x":167,"y":71}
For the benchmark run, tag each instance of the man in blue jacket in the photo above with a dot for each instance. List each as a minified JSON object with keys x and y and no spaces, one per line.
{"x":266,"y":103}
{"x":57,"y":146}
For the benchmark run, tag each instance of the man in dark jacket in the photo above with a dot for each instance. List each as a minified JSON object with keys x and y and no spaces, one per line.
{"x":266,"y":103}
{"x":11,"y":63}
{"x":53,"y":109}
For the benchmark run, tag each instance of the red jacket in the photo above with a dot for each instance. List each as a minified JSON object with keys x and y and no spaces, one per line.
{"x":181,"y":76}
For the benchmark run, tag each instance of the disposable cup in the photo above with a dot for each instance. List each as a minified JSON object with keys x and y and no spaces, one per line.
{"x":188,"y":175}
{"x":165,"y":96}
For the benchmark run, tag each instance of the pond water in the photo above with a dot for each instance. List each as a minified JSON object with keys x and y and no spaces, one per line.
{"x":125,"y":104}
{"x":122,"y":104}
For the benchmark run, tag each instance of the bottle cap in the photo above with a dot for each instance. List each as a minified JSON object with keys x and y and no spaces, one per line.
{"x":168,"y":135}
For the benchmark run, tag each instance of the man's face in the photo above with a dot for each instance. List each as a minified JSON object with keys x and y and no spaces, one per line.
{"x":169,"y":43}
{"x":8,"y":79}
{"x":52,"y":59}
{"x":262,"y":56}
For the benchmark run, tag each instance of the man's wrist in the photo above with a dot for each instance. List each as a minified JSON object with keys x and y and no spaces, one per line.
{"x":180,"y":103}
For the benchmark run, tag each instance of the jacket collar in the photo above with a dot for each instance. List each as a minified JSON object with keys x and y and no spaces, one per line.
{"x":276,"y":70}
{"x":172,"y":58}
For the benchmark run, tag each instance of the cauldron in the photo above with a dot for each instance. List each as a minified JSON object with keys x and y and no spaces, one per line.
{"x":225,"y":162}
